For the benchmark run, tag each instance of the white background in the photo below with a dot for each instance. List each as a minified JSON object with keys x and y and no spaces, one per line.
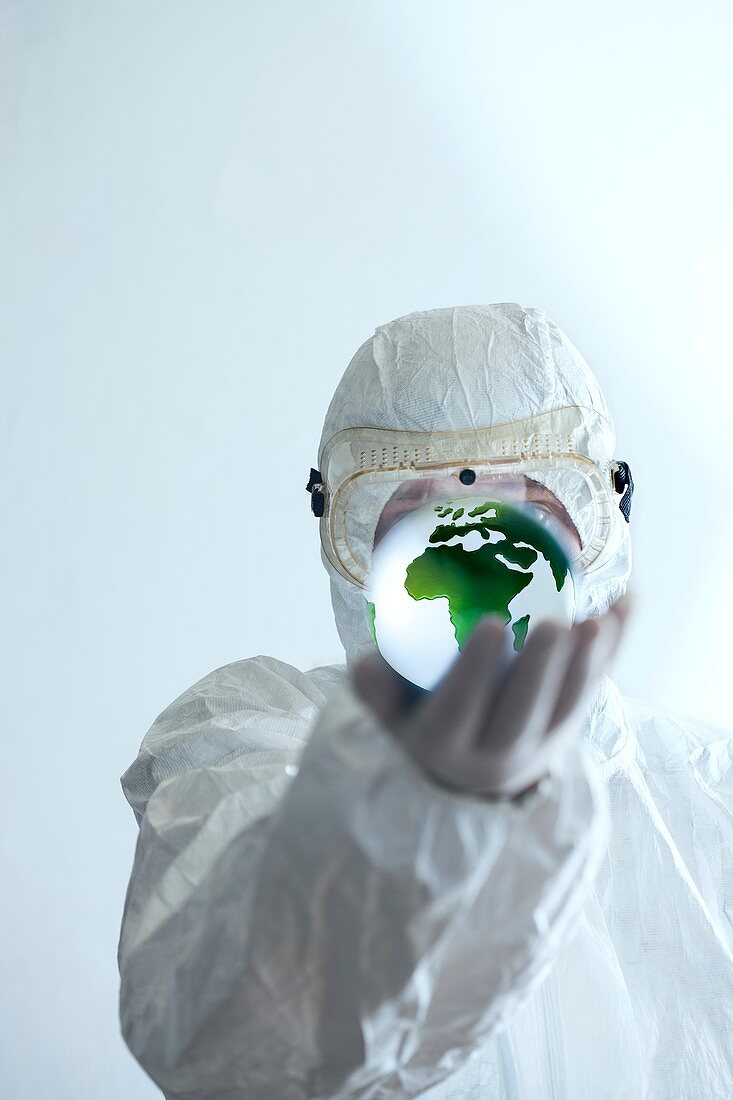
{"x":206,"y":208}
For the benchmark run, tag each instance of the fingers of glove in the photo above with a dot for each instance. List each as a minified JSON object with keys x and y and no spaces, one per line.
{"x":596,"y":642}
{"x":622,"y":611}
{"x":587,"y":642}
{"x":386,"y":692}
{"x":450,"y":716}
{"x":527,"y":695}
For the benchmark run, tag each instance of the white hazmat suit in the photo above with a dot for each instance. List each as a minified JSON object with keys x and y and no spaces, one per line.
{"x":310,"y":916}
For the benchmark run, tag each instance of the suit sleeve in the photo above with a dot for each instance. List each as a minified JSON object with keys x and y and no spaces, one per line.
{"x":319,"y":919}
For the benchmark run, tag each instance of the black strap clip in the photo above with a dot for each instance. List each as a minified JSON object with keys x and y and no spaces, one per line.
{"x":315,"y":487}
{"x":623,"y":482}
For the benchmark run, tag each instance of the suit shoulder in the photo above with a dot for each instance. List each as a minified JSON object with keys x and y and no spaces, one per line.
{"x":238,"y":714}
{"x":669,"y":734}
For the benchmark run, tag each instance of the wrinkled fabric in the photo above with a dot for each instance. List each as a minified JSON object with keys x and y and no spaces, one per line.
{"x":308,"y":915}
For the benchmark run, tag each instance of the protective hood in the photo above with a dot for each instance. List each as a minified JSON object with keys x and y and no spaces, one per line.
{"x":468,"y":368}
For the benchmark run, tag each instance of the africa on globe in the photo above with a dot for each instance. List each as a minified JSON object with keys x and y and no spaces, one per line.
{"x":447,"y":564}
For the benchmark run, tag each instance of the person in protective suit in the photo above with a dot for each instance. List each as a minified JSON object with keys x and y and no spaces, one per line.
{"x":515,"y":887}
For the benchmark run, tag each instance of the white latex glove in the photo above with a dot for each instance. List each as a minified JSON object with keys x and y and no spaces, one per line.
{"x":494,"y":728}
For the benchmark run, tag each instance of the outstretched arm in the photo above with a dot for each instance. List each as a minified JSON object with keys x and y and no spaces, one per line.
{"x":348,"y":930}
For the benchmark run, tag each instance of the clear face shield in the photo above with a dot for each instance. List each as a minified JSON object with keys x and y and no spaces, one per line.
{"x":554,"y":463}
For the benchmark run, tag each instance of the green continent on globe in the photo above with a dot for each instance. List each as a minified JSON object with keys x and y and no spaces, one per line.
{"x":371,"y":612}
{"x":474,"y":582}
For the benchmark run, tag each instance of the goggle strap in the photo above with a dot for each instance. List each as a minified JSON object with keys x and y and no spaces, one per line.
{"x":315,"y":488}
{"x":624,"y":483}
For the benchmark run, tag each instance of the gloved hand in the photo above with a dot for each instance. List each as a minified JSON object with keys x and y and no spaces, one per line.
{"x":492,"y":730}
